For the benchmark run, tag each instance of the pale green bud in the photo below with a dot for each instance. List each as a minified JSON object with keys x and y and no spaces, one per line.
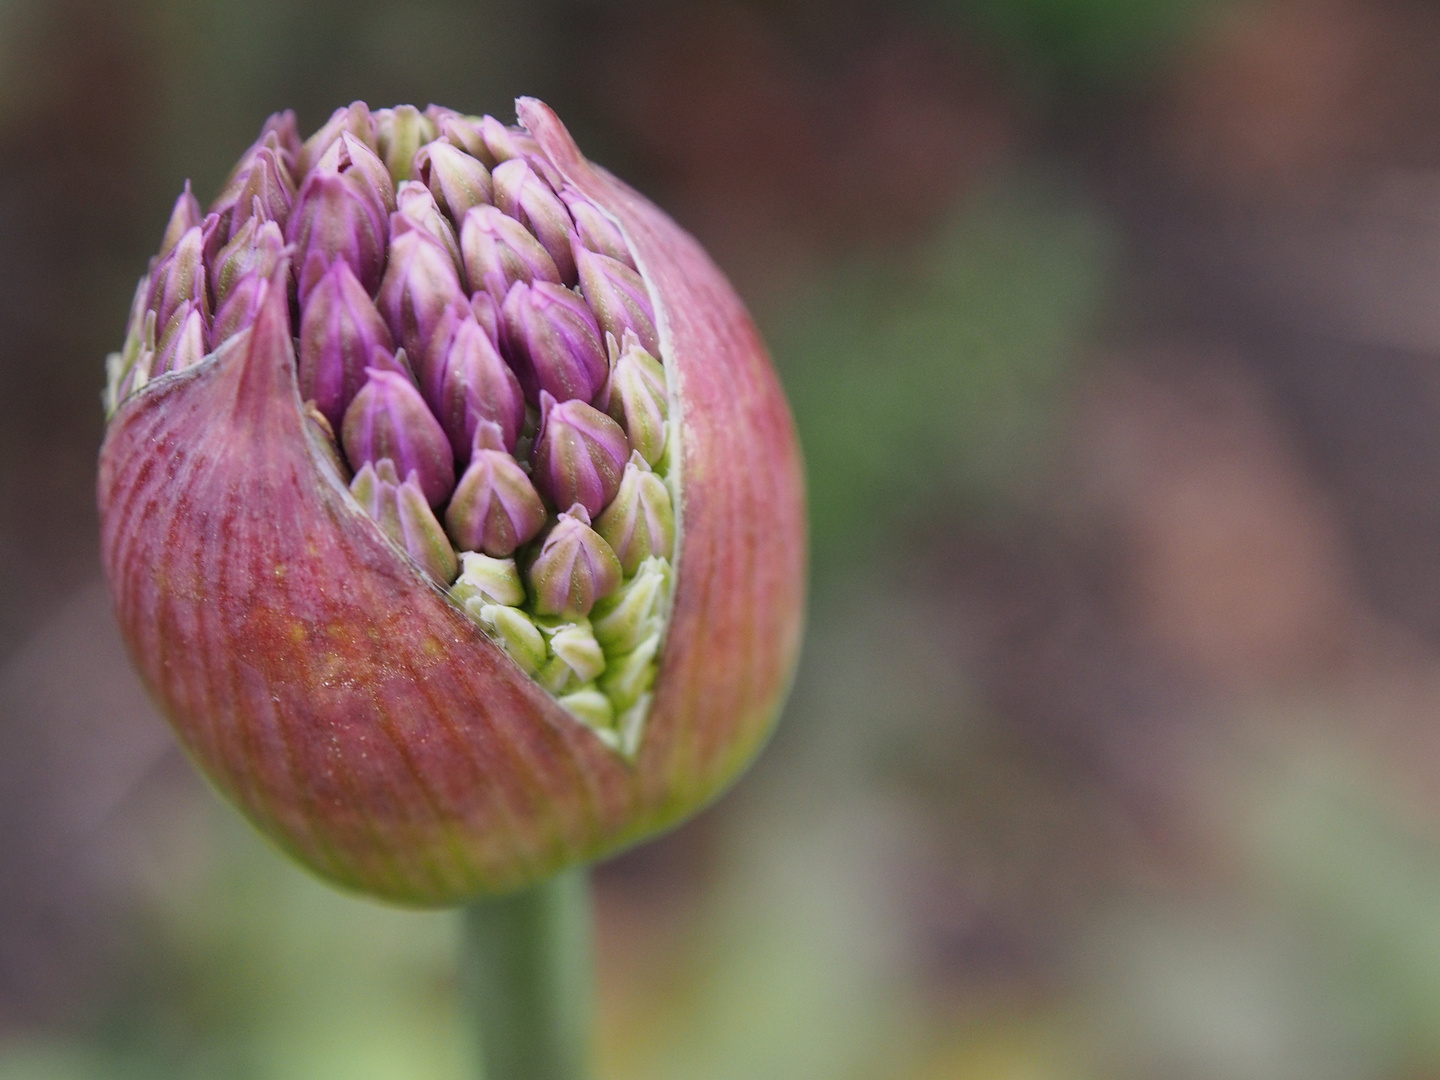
{"x":635,"y":611}
{"x":494,"y":581}
{"x":630,"y":675}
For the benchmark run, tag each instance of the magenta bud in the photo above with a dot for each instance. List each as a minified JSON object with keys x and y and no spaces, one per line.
{"x":282,"y":134}
{"x":257,"y":248}
{"x":532,"y":202}
{"x":505,"y":143}
{"x":551,"y":339}
{"x":263,"y":189}
{"x":353,"y":119}
{"x":185,"y":216}
{"x":417,"y":206}
{"x":179,"y":276}
{"x":340,"y":332}
{"x":593,"y":229}
{"x":486,"y":310}
{"x":183,"y":342}
{"x":498,"y":251}
{"x":574,"y":569}
{"x":402,"y":513}
{"x":354,"y":158}
{"x":456,"y":180}
{"x":473,"y":385}
{"x":388,"y":419}
{"x":580,"y":454}
{"x":495,"y":508}
{"x":241,"y":306}
{"x":420,"y":283}
{"x":337,"y":217}
{"x":618,"y":297}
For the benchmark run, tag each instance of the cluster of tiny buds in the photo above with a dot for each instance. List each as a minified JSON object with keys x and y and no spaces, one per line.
{"x":479,"y":360}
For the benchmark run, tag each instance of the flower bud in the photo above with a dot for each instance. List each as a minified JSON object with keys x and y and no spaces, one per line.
{"x":402,"y":511}
{"x":256,"y":249}
{"x":489,"y":580}
{"x":552,"y":341}
{"x":422,"y":743}
{"x":337,"y":217}
{"x":400,"y":132}
{"x":388,"y":419}
{"x":420,"y":283}
{"x":353,"y":119}
{"x":618,"y":297}
{"x":341,"y":332}
{"x":183,"y":218}
{"x":498,"y":251}
{"x":531,"y":201}
{"x":456,"y":180}
{"x":472,"y":384}
{"x":414,"y":202}
{"x":178,"y":277}
{"x":580,"y":454}
{"x":495,"y":508}
{"x":638,"y":397}
{"x":575,"y":567}
{"x":640,"y":522}
{"x":593,"y":229}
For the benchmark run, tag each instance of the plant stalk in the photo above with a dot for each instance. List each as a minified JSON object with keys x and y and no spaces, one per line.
{"x":528,"y":980}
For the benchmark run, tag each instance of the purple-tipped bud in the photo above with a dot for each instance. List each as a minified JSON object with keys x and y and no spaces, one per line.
{"x":457,"y":180}
{"x":580,"y":454}
{"x":240,"y":309}
{"x":353,"y":118}
{"x":495,"y":508}
{"x":473,"y":385}
{"x":640,"y":522}
{"x":178,"y":277}
{"x":400,"y":132}
{"x":618,"y":297}
{"x":531,"y":201}
{"x":337,"y":217}
{"x":574,"y":569}
{"x":402,"y":512}
{"x":505,"y":143}
{"x":263,"y":189}
{"x":498,"y":251}
{"x":486,"y":310}
{"x":282,"y":134}
{"x":461,"y":132}
{"x":341,"y":332}
{"x":353,"y":157}
{"x":420,"y":283}
{"x":553,"y":342}
{"x":183,"y":218}
{"x":257,"y":249}
{"x":183,"y":342}
{"x":388,"y":419}
{"x":414,"y":202}
{"x":638,"y":397}
{"x":593,"y":229}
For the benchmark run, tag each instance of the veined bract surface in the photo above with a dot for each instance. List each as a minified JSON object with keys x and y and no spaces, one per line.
{"x":451,"y":508}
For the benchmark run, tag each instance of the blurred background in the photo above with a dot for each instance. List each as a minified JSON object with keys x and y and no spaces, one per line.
{"x":1112,"y":328}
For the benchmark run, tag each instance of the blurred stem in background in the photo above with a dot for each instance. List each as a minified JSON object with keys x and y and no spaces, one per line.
{"x":528,"y":980}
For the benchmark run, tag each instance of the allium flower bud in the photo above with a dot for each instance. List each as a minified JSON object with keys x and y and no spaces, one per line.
{"x":338,"y":217}
{"x":498,"y":251}
{"x":552,"y":340}
{"x":456,"y":180}
{"x":414,"y":202}
{"x":285,"y":595}
{"x":389,"y":419}
{"x":495,"y":508}
{"x":575,"y":567}
{"x":405,"y":515}
{"x":618,"y":297}
{"x":420,"y":283}
{"x":257,"y":249}
{"x":340,"y":334}
{"x":640,"y":522}
{"x":580,"y":454}
{"x":531,"y":201}
{"x":593,"y":229}
{"x":473,"y":385}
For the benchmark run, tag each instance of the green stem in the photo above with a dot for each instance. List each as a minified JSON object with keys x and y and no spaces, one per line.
{"x":528,"y":980}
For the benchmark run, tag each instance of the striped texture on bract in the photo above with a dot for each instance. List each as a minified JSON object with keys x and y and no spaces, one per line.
{"x":352,"y":710}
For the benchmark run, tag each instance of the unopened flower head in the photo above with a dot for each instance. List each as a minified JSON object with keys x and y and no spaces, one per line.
{"x":450,"y":506}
